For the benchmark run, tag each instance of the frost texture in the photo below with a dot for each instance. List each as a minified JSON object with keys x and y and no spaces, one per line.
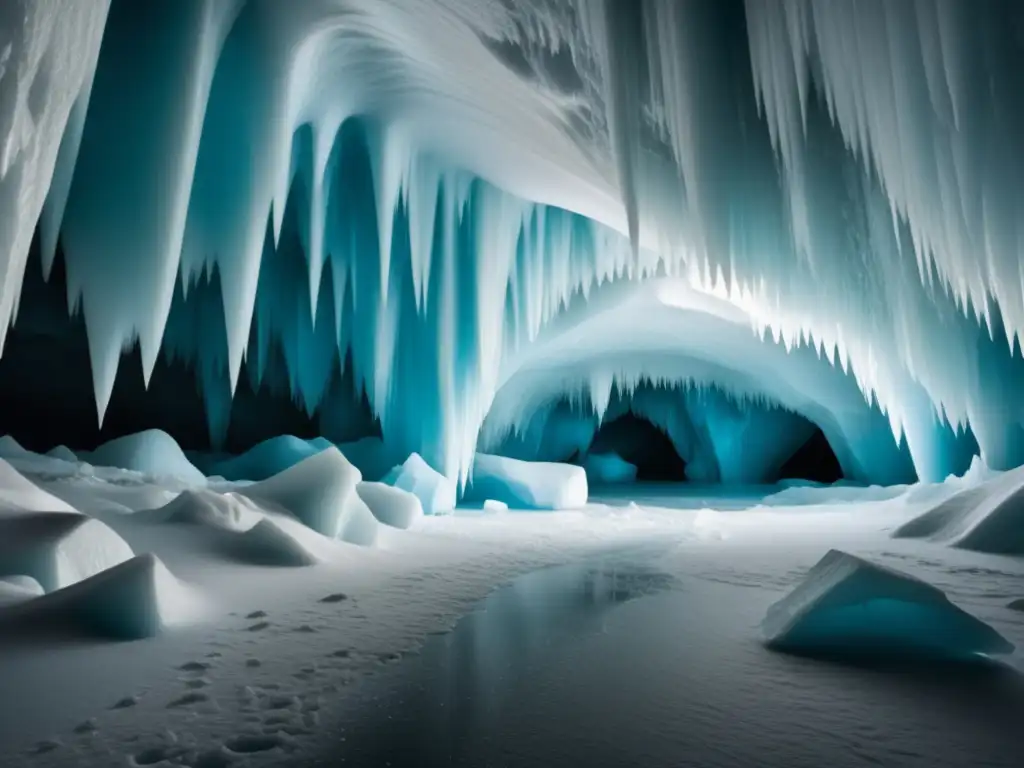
{"x":438,"y":182}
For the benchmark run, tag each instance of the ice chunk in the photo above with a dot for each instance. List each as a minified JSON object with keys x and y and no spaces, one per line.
{"x":152,"y":452}
{"x":848,"y":607}
{"x":528,"y":484}
{"x":130,"y":601}
{"x":17,"y":493}
{"x":436,"y":492}
{"x":390,"y":505}
{"x":268,"y":458}
{"x":493,"y":505}
{"x":985,"y":518}
{"x":608,"y":468}
{"x":18,"y":589}
{"x":58,"y":548}
{"x":321,"y":492}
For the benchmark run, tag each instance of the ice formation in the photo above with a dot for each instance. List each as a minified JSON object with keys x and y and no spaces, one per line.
{"x":527,"y":484}
{"x":608,"y":468}
{"x":847,"y":607}
{"x":437,"y":185}
{"x":268,"y":458}
{"x":436,"y":492}
{"x":986,"y":518}
{"x":152,"y":452}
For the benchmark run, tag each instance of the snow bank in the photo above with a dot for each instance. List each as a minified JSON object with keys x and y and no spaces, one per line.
{"x":985,"y":518}
{"x":152,"y":452}
{"x":131,"y":601}
{"x":58,"y":549}
{"x":268,"y":543}
{"x":268,"y":458}
{"x":436,"y":492}
{"x":18,"y":589}
{"x":849,"y":607}
{"x":608,"y":468}
{"x":527,"y":484}
{"x":321,"y":492}
{"x":17,"y":493}
{"x":391,"y":506}
{"x":229,"y":511}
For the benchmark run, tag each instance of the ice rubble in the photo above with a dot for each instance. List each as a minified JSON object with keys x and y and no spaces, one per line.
{"x":152,"y":452}
{"x":608,"y":468}
{"x":58,"y":548}
{"x":847,"y":607}
{"x":858,"y":173}
{"x":527,"y":484}
{"x":321,"y":492}
{"x":391,"y":505}
{"x":987,"y":518}
{"x":437,"y":494}
{"x":133,"y":600}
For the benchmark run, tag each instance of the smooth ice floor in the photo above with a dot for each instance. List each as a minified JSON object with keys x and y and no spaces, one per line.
{"x":616,"y":662}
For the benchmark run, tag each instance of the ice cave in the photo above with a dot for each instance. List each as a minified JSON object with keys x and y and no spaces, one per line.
{"x":511,"y":382}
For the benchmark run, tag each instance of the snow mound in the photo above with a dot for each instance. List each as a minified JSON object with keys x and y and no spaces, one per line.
{"x":58,"y":549}
{"x":985,"y":518}
{"x":436,"y":492}
{"x":18,"y":589}
{"x":493,"y":505}
{"x":848,"y":607}
{"x":201,"y":506}
{"x":18,"y":493}
{"x":9,"y":447}
{"x":269,"y":458}
{"x":321,"y":492}
{"x":528,"y":484}
{"x":608,"y":468}
{"x":268,"y":543}
{"x":62,"y":453}
{"x":131,"y":601}
{"x":390,"y":505}
{"x":152,"y":452}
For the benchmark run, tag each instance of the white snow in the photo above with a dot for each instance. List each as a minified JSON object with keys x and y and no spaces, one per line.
{"x":528,"y":484}
{"x":19,"y":493}
{"x":391,"y":505}
{"x":17,"y":589}
{"x":988,"y":517}
{"x":436,"y":492}
{"x":153,"y":453}
{"x":58,"y":549}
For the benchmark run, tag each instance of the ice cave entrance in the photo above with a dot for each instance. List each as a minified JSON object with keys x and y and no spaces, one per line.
{"x":639,"y":442}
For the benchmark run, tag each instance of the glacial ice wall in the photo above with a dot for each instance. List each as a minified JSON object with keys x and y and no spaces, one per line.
{"x":422,"y":190}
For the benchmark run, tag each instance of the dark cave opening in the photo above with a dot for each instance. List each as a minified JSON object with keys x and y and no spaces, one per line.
{"x":643,"y":445}
{"x":47,"y":391}
{"x":814,"y":460}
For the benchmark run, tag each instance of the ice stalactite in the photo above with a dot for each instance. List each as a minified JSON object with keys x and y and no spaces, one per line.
{"x":811,"y":203}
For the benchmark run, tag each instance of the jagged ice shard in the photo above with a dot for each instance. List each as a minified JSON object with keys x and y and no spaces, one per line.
{"x":500,"y":224}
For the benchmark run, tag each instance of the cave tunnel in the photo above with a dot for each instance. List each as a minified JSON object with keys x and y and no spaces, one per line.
{"x":643,"y":445}
{"x":815,"y":460}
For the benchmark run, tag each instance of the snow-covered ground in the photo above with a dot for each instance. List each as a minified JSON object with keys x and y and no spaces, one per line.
{"x":255,"y":671}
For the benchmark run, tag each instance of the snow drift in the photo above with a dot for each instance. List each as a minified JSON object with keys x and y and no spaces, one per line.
{"x":391,"y":505}
{"x":58,"y":549}
{"x":134,"y":600}
{"x":321,"y":492}
{"x":153,"y":453}
{"x":268,"y":458}
{"x":17,"y":493}
{"x":847,"y":607}
{"x":985,"y":518}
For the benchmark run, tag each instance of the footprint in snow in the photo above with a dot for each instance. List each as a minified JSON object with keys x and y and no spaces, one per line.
{"x":194,"y":666}
{"x":256,"y":615}
{"x":337,"y":597}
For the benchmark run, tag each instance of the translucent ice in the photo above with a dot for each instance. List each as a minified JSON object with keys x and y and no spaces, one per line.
{"x":527,"y":484}
{"x":391,"y":505}
{"x":608,"y":468}
{"x":436,"y":492}
{"x":847,"y":607}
